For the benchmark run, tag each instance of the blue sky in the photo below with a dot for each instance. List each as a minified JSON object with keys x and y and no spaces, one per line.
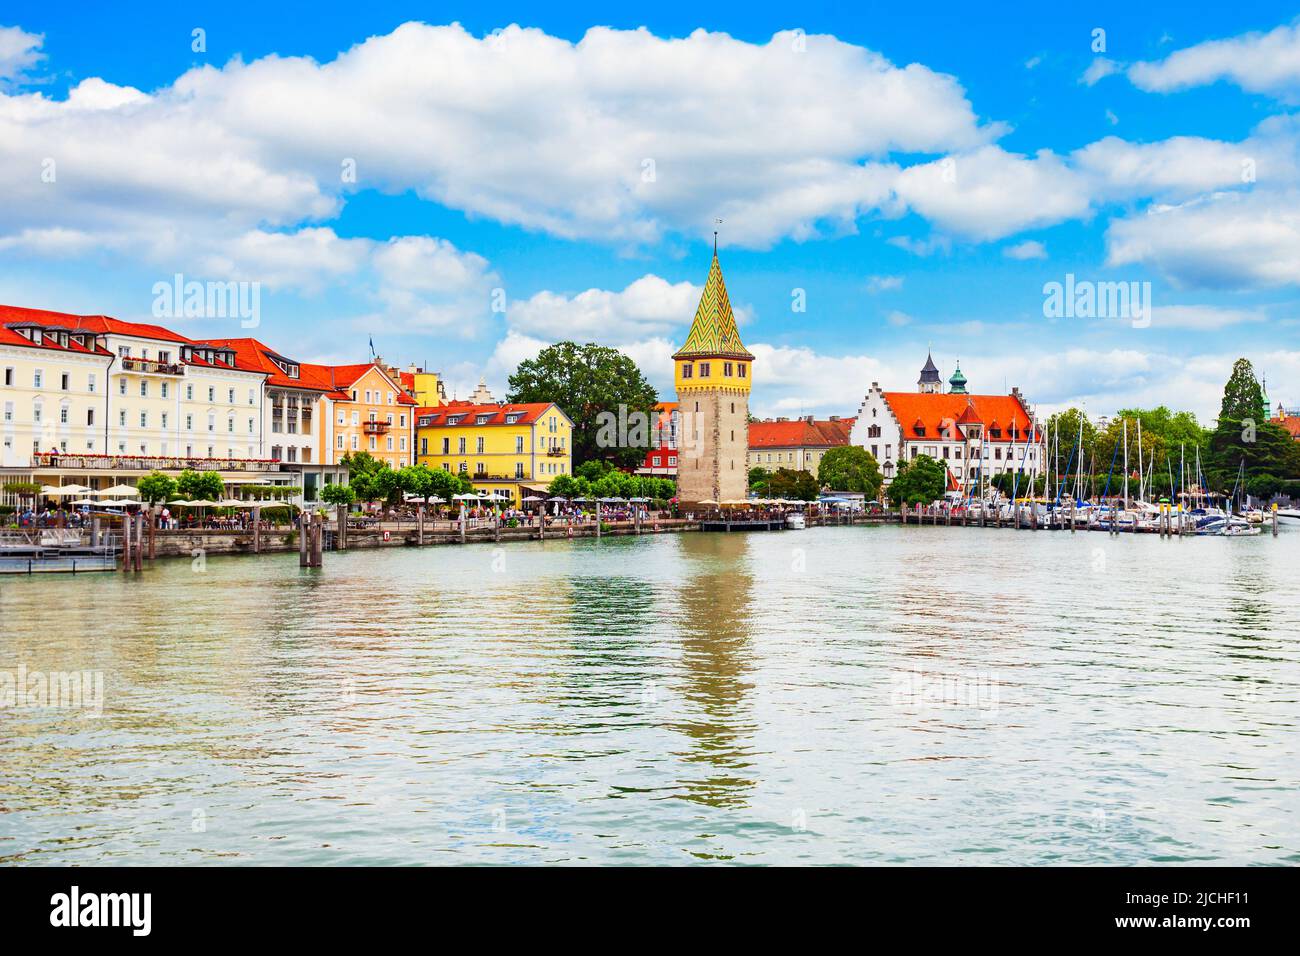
{"x":914,"y":175}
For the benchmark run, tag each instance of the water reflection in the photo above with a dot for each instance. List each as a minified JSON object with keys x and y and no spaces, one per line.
{"x":713,"y":619}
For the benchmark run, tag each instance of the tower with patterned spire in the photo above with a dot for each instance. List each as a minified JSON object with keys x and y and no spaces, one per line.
{"x":713,"y":373}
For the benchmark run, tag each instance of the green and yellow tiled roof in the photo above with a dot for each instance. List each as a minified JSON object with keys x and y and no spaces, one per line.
{"x":714,"y":332}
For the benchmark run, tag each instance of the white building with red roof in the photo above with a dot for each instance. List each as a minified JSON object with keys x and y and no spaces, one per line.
{"x":976,"y":436}
{"x":95,"y":386}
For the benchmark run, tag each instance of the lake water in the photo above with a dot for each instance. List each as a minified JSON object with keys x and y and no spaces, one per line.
{"x":835,"y":695}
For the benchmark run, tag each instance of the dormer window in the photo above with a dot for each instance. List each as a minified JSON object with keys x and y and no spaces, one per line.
{"x":513,"y":417}
{"x":483,"y":419}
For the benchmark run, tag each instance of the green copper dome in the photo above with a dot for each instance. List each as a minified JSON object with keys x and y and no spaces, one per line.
{"x":957,"y":384}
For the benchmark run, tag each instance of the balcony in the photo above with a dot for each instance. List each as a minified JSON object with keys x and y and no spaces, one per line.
{"x":556,"y":452}
{"x":376,"y":428}
{"x":151,"y":463}
{"x":152,"y":367}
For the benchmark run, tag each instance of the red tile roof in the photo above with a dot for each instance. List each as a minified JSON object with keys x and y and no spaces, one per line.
{"x":338,"y":379}
{"x":799,"y":433}
{"x":97,"y":324}
{"x":940,"y":411}
{"x":467,"y":414}
{"x":254,"y":355}
{"x":1291,"y":423}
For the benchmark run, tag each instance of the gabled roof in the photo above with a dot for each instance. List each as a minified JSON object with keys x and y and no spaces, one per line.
{"x":940,"y":413}
{"x":338,"y":379}
{"x":1291,"y":423}
{"x":467,"y":414}
{"x":10,"y":337}
{"x":713,"y":331}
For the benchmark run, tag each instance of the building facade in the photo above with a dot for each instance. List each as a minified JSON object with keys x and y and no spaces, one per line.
{"x":661,"y":458}
{"x":500,"y":447}
{"x":713,"y":377}
{"x":975,"y":436}
{"x":94,"y":385}
{"x":367,"y":411}
{"x":798,"y":445}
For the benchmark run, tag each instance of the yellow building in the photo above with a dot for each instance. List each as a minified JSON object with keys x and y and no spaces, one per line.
{"x":510,"y":448}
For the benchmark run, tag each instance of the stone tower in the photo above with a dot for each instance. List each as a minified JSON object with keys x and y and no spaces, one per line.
{"x":713,"y":376}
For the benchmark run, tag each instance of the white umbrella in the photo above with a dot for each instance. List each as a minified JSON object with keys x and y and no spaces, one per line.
{"x":84,"y":501}
{"x":58,"y":491}
{"x":534,"y":498}
{"x":465,"y":497}
{"x":202,"y":503}
{"x":117,"y":491}
{"x":124,"y":503}
{"x":233,"y":503}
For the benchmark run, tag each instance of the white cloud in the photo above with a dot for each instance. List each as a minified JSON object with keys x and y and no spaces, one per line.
{"x":1231,"y":240}
{"x":19,"y":52}
{"x":1257,"y":62}
{"x":878,"y":284}
{"x":990,"y":193}
{"x":1202,"y":317}
{"x":1100,"y":68}
{"x":648,"y":306}
{"x":1030,"y":249}
{"x":898,"y":319}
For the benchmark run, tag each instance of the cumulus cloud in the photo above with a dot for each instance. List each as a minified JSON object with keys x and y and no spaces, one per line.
{"x":1099,"y":69}
{"x":1256,"y":62}
{"x":878,"y":284}
{"x":1227,"y":240}
{"x":19,"y":52}
{"x":990,"y":193}
{"x":649,"y":306}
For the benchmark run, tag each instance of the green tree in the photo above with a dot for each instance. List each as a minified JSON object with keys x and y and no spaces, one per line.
{"x":155,"y":487}
{"x":338,"y":494}
{"x":199,"y":486}
{"x":1064,"y":430}
{"x":1243,"y":398}
{"x":922,"y":480}
{"x":850,"y":468}
{"x":792,"y":483}
{"x":758,"y":480}
{"x":1243,"y":436}
{"x":590,"y":383}
{"x":565,"y":486}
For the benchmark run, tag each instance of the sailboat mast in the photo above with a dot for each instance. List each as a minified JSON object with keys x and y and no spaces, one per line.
{"x":1126,"y":464}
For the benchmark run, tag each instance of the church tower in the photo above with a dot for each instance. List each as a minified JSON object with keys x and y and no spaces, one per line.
{"x":929,"y":381}
{"x":713,"y":376}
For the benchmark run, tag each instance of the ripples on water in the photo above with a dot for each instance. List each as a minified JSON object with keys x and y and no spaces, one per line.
{"x":837,"y":695}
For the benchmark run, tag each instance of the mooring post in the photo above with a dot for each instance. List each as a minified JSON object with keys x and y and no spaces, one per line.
{"x":139,"y":540}
{"x":257,"y":529}
{"x":317,"y":539}
{"x":496,"y":525}
{"x":302,"y":539}
{"x":126,"y":543}
{"x":153,"y":527}
{"x":94,"y":533}
{"x":462,"y":522}
{"x":1275,"y":519}
{"x":597,"y":519}
{"x":419,"y":521}
{"x":636,"y":517}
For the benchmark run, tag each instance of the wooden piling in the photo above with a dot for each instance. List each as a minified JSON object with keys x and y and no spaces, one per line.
{"x":303,"y":531}
{"x":1275,"y":519}
{"x":419,"y":521}
{"x":598,"y":519}
{"x":153,"y":529}
{"x":462,"y":522}
{"x":257,"y":529}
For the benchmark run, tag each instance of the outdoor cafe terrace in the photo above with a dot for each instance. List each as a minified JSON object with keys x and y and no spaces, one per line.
{"x":150,"y":463}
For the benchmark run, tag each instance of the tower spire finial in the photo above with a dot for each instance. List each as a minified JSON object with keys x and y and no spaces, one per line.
{"x":715,"y":239}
